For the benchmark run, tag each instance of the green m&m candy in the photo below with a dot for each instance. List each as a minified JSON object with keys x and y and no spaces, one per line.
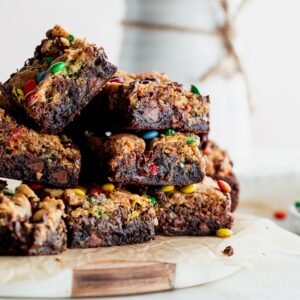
{"x":71,"y":38}
{"x":170,"y":132}
{"x":195,"y":90}
{"x":57,"y":67}
{"x":190,"y":140}
{"x":49,"y":59}
{"x":153,"y":200}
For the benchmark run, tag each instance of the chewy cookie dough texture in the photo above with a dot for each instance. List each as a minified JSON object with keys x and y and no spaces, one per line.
{"x":62,"y":77}
{"x":149,"y":101}
{"x":30,"y":225}
{"x":38,"y":158}
{"x":166,"y":159}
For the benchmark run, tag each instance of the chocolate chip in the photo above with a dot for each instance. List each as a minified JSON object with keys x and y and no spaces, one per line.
{"x":61,"y":176}
{"x":152,"y":79}
{"x":37,"y":167}
{"x":228,"y":251}
{"x":144,"y":81}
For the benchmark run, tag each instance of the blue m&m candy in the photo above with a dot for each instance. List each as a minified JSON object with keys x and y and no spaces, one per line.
{"x":150,"y":135}
{"x":41,"y":77}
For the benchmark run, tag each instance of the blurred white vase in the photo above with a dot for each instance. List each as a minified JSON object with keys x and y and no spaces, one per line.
{"x":185,"y":57}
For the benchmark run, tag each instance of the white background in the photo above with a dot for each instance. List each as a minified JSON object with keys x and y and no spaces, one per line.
{"x":23,"y":25}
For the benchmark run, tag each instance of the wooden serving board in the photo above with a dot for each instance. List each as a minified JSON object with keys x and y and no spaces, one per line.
{"x":122,"y":278}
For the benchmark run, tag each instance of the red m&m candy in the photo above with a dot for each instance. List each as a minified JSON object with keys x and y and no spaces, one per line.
{"x":36,"y":186}
{"x":154,"y":169}
{"x":280,"y":215}
{"x":29,"y":86}
{"x":94,"y":191}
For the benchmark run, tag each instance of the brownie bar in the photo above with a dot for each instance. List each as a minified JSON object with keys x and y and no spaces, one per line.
{"x":38,"y":158}
{"x":201,"y":212}
{"x":167,"y":159}
{"x":62,"y":77}
{"x":147,"y":101}
{"x":103,"y":219}
{"x":30,"y":226}
{"x":220,"y":167}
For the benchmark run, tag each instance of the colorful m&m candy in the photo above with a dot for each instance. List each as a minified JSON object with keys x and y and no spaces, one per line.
{"x":150,"y":135}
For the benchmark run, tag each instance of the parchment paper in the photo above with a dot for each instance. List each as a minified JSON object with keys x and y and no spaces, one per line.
{"x":253,"y":238}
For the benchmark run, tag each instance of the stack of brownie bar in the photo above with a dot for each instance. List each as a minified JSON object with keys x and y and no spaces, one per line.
{"x":107,"y":157}
{"x":157,"y":131}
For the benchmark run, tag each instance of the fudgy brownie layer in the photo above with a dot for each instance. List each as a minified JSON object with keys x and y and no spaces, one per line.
{"x":128,"y":159}
{"x":108,"y":218}
{"x":201,"y":212}
{"x":148,"y":101}
{"x":220,"y":167}
{"x":88,"y":232}
{"x":30,"y":226}
{"x":38,"y":158}
{"x":73,"y":70}
{"x":23,"y":168}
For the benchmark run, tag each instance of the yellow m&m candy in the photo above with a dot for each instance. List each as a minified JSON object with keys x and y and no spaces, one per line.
{"x":168,"y":188}
{"x":108,"y":187}
{"x":79,"y":192}
{"x":224,"y":232}
{"x":188,"y":189}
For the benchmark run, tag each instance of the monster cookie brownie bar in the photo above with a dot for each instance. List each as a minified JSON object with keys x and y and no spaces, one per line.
{"x":166,"y":159}
{"x":197,"y":209}
{"x":39,"y":158}
{"x":107,"y":217}
{"x":30,"y":226}
{"x":220,"y":167}
{"x":62,"y":77}
{"x":149,"y":101}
